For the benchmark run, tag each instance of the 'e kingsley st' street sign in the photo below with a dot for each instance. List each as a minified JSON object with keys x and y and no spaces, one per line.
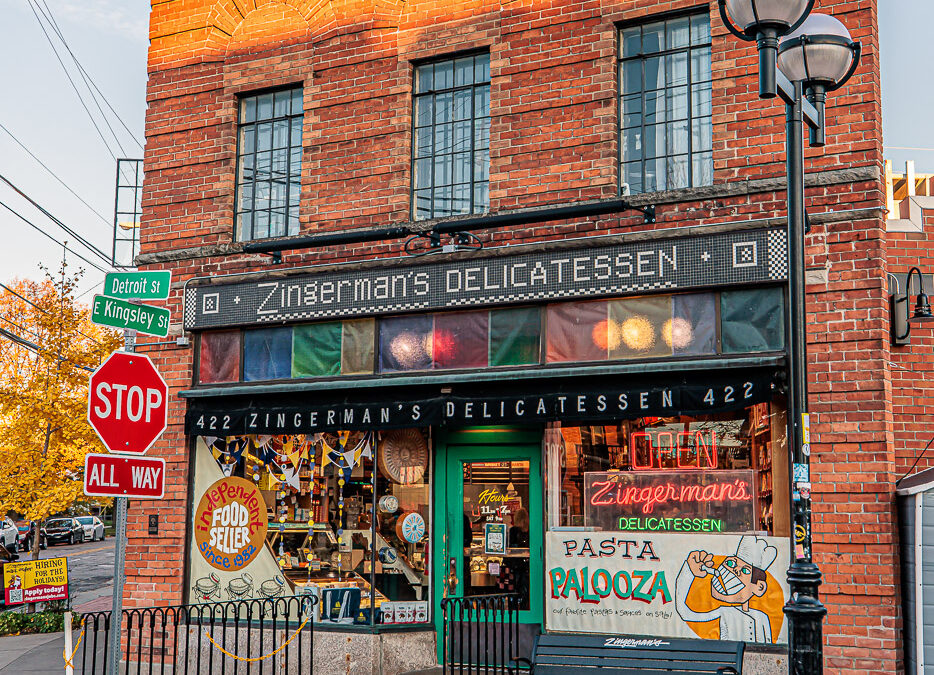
{"x":107,"y":311}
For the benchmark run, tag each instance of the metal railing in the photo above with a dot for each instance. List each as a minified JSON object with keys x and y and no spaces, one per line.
{"x":249,"y":637}
{"x":480,"y":634}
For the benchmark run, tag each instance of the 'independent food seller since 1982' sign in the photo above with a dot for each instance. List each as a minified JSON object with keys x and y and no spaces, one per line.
{"x":730,"y":258}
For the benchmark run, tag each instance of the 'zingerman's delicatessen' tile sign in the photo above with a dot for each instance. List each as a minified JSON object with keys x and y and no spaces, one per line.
{"x":656,"y":485}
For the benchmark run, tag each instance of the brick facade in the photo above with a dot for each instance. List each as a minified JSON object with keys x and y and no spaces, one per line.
{"x":554,"y":141}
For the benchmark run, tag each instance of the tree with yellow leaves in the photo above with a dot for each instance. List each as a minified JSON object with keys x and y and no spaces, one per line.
{"x":48,"y":349}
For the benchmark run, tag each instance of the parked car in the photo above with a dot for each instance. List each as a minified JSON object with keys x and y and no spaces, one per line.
{"x":64,"y":531}
{"x":93,"y":527}
{"x":26,"y":532}
{"x":9,"y":535}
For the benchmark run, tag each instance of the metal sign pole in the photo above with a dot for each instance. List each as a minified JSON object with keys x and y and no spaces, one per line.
{"x":116,"y":614}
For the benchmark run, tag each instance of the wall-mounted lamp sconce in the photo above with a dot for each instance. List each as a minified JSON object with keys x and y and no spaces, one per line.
{"x":902,"y":320}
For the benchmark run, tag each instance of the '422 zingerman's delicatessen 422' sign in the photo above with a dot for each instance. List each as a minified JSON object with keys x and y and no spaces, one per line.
{"x":727,"y":587}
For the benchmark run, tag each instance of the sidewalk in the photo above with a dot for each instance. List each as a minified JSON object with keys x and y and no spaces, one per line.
{"x":42,"y":652}
{"x":36,"y":653}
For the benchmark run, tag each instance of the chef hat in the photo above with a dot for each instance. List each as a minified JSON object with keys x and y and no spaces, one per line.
{"x":756,"y":552}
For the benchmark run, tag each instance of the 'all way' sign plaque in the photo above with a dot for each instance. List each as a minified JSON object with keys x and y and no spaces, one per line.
{"x":121,"y":476}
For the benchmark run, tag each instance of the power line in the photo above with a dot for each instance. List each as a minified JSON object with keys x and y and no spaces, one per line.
{"x":88,"y":245}
{"x":72,"y":82}
{"x":45,"y":311}
{"x":55,"y":176}
{"x":84,"y":73}
{"x":46,"y":234}
{"x":33,"y":347}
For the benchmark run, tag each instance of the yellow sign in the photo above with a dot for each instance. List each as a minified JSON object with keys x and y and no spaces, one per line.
{"x":36,"y":581}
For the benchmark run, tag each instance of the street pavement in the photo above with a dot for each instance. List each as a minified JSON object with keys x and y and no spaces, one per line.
{"x":90,"y":583}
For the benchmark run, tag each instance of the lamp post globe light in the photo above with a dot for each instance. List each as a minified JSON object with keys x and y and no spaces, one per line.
{"x":821,"y":54}
{"x":764,"y":21}
{"x":815,"y":55}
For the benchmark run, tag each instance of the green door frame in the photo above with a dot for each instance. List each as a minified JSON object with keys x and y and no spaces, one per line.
{"x":484,"y":444}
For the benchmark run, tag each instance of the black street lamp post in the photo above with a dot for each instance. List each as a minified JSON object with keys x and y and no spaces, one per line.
{"x":815,"y":55}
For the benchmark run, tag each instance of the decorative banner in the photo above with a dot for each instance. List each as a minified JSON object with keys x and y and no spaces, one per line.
{"x":35,"y":581}
{"x":726,"y":587}
{"x":716,"y":394}
{"x":722,"y":259}
{"x":230,"y":524}
{"x":670,"y":501}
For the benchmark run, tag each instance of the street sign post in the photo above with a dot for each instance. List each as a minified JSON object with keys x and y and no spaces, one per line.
{"x":106,"y":311}
{"x":123,"y":476}
{"x":138,"y":285}
{"x":128,"y":408}
{"x":128,"y":403}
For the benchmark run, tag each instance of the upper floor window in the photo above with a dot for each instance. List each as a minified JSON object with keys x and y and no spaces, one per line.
{"x":269,"y":164}
{"x":665,"y":106}
{"x":451,"y":153}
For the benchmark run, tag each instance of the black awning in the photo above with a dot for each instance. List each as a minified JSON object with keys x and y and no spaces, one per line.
{"x":515,"y":402}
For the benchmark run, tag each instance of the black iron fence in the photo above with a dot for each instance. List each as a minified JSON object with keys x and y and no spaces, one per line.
{"x":480,"y":635}
{"x":240,"y":637}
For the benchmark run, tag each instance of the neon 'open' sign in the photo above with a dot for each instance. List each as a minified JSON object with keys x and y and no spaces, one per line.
{"x":655,"y":449}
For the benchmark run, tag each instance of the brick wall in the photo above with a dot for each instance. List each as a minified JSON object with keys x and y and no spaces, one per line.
{"x":553,"y":141}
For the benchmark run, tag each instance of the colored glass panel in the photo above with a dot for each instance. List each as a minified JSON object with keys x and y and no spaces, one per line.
{"x":405,"y":343}
{"x":515,"y":336}
{"x":752,"y":320}
{"x":576,"y":331}
{"x":219,"y":358}
{"x":267,"y":354}
{"x":461,"y":340}
{"x":693,"y":328}
{"x":635,"y":328}
{"x":357,"y":345}
{"x":316,"y":350}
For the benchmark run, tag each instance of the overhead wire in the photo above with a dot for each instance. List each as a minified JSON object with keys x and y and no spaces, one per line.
{"x":45,"y":311}
{"x":87,"y":244}
{"x":84,"y":73}
{"x":49,"y":236}
{"x":55,"y":176}
{"x":36,"y":349}
{"x":72,"y":82}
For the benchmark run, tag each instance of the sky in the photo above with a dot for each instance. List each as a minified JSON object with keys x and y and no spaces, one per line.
{"x":109,"y":37}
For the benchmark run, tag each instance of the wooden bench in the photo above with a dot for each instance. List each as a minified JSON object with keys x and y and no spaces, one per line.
{"x":566,"y":654}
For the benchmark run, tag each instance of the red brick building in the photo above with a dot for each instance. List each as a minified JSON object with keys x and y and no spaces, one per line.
{"x":546,"y":129}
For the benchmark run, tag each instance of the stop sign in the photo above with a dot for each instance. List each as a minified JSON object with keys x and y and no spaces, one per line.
{"x":127,"y":403}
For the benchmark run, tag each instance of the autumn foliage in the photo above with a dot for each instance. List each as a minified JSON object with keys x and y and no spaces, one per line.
{"x":48,"y":348}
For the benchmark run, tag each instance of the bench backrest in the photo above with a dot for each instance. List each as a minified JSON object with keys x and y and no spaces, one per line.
{"x":566,"y":653}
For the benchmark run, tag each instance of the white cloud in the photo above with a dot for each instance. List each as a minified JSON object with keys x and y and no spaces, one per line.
{"x":131,"y":19}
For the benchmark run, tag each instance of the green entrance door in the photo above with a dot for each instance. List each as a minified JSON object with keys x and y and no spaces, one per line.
{"x":489,"y":504}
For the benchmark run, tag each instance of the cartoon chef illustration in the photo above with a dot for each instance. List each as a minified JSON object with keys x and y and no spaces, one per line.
{"x":738,"y":579}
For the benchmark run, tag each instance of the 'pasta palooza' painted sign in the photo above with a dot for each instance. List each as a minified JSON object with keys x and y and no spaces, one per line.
{"x":726,"y":587}
{"x":230,"y":524}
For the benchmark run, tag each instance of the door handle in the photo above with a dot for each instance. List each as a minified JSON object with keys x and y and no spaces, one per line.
{"x":452,"y":575}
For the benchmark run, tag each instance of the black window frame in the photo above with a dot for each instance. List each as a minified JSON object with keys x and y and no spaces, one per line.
{"x":247,"y":231}
{"x":693,"y":157}
{"x":478,"y":167}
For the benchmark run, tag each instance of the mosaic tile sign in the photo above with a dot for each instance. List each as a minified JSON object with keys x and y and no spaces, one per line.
{"x":723,"y":259}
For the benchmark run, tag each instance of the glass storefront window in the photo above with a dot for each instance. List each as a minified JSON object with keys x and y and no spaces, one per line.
{"x":701,"y":474}
{"x":347,"y":518}
{"x":670,"y":526}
